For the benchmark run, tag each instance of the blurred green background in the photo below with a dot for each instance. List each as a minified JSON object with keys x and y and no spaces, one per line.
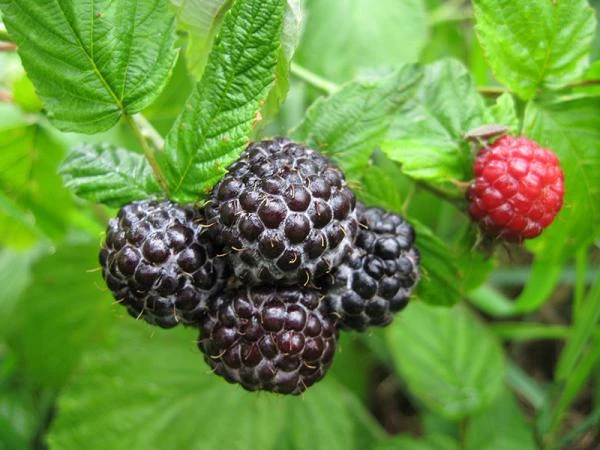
{"x":77,"y":373}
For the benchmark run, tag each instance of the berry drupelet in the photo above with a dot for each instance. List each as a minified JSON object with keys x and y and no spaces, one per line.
{"x":157,"y":263}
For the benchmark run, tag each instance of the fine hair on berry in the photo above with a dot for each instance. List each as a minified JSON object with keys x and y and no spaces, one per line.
{"x":379,"y":276}
{"x":284,"y":212}
{"x":517,"y":190}
{"x":159,"y":265}
{"x":268,"y":338}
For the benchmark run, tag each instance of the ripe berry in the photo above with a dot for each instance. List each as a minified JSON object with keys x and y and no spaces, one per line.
{"x":284,"y":212}
{"x":267,"y":338}
{"x":379,"y":276}
{"x":158,"y":265}
{"x":517,"y":191}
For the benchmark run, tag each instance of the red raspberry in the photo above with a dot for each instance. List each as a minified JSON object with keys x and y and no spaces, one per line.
{"x":517,"y":191}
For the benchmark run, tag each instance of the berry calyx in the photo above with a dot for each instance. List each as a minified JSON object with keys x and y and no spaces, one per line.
{"x":517,"y":191}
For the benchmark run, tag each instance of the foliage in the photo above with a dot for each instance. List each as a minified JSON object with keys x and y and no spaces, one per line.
{"x":104,"y":102}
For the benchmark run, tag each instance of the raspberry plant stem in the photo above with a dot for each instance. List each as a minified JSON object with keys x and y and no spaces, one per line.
{"x":457,"y":201}
{"x":149,"y":132}
{"x":8,"y":47}
{"x":313,"y":79}
{"x":144,"y":132}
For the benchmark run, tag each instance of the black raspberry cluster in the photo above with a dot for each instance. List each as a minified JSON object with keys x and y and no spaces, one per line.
{"x":279,"y":259}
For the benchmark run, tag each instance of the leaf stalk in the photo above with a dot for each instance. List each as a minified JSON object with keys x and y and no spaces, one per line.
{"x":144,"y":132}
{"x":313,"y":79}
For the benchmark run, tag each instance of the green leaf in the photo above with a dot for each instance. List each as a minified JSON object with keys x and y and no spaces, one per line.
{"x":60,"y":313}
{"x":440,"y":278}
{"x":10,"y":438}
{"x":17,"y":228}
{"x":426,"y":136}
{"x":201,"y":20}
{"x":503,"y":112}
{"x":106,"y":174}
{"x":290,"y":38}
{"x":500,"y":426}
{"x":216,"y":124}
{"x":126,"y":387}
{"x":24,"y":95}
{"x":383,"y":186}
{"x":537,"y":44}
{"x":349,"y":124}
{"x":473,"y":266}
{"x":434,"y":442}
{"x":31,"y":189}
{"x":343,"y":38}
{"x":97,"y":60}
{"x":449,"y":360}
{"x":544,"y":277}
{"x":25,"y":409}
{"x":15,"y":275}
{"x":572,"y":130}
{"x":293,"y":24}
{"x":589,"y":82}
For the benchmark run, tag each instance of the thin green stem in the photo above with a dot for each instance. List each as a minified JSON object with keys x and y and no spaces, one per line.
{"x":313,"y":79}
{"x":408,"y":199}
{"x":524,"y":385}
{"x":458,"y":202}
{"x":524,"y":331}
{"x":496,"y":91}
{"x":583,"y":83}
{"x":148,"y":152}
{"x":492,"y":91}
{"x":149,"y":132}
{"x":581,"y":264}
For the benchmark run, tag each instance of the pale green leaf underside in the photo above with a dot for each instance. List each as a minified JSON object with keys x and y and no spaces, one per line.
{"x":349,"y":124}
{"x":200,"y":19}
{"x":450,"y":362}
{"x":426,"y":136}
{"x":92,"y":61}
{"x":216,"y":123}
{"x":106,"y":174}
{"x":535,"y":44}
{"x":572,"y":130}
{"x":123,"y":399}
